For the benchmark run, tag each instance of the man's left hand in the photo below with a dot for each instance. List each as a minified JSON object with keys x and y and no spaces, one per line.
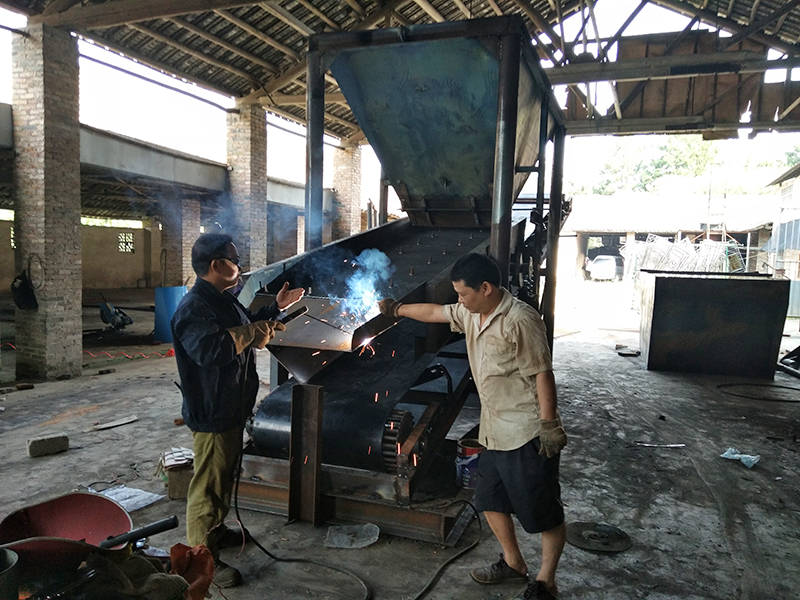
{"x":286,"y":297}
{"x":552,"y":437}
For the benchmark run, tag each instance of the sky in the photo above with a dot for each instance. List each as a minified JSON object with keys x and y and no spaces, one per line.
{"x":126,"y":105}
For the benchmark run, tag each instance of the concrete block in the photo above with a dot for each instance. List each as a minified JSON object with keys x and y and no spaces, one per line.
{"x":51,"y":444}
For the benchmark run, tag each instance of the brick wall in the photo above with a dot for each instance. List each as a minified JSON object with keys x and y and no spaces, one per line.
{"x":180,"y":222}
{"x":347,"y":192}
{"x":47,"y":200}
{"x":247,"y":157}
{"x":282,"y":238}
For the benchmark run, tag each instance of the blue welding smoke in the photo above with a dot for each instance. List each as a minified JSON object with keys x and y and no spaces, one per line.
{"x":368,"y":284}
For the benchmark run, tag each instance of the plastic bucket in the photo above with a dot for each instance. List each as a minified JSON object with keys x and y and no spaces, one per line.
{"x":167,"y":299}
{"x":467,"y":454}
{"x":9,"y":583}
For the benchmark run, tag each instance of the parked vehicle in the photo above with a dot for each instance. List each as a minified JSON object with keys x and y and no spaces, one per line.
{"x":606,"y":267}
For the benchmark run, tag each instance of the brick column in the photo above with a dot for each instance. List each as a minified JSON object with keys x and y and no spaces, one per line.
{"x":347,"y":192}
{"x":247,"y":158}
{"x":47,"y":201}
{"x":180,"y":228}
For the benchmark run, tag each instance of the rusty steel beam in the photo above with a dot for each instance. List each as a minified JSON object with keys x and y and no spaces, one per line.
{"x":553,"y":232}
{"x":264,"y":487}
{"x":305,"y":454}
{"x":503,"y":188}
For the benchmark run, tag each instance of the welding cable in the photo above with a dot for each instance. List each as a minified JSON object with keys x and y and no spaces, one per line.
{"x":169,"y":353}
{"x":361,"y":582}
{"x":723,"y":388}
{"x":310,"y":561}
{"x":431,"y":582}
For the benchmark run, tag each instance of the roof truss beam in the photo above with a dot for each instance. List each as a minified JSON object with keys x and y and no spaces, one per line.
{"x":256,"y":33}
{"x":668,"y":67}
{"x":761,"y":24}
{"x":195,"y":53}
{"x":712,"y":19}
{"x":122,"y":12}
{"x":233,"y":48}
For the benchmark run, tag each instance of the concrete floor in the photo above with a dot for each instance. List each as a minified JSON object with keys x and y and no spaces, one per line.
{"x":702,"y":527}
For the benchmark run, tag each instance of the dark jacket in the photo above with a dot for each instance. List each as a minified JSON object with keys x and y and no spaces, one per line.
{"x":210,"y":370}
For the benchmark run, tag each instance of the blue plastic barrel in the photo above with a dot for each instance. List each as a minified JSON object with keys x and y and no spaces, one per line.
{"x":167,"y":299}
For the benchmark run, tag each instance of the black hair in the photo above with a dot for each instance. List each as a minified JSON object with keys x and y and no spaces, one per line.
{"x":208,"y":247}
{"x":473,"y":269}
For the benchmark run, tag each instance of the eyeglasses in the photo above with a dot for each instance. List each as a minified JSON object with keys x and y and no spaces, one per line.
{"x":234,"y":260}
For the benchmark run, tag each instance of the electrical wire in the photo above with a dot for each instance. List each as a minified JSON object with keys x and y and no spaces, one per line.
{"x":364,"y":586}
{"x":367,"y":592}
{"x":723,"y":388}
{"x":429,"y":586}
{"x":169,"y":353}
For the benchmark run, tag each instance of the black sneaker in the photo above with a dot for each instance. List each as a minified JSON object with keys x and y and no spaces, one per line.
{"x":535,"y":591}
{"x":232,"y":537}
{"x":497,"y":573}
{"x":226,"y":576}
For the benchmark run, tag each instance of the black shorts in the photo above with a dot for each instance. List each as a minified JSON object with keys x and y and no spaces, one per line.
{"x":522,"y":483}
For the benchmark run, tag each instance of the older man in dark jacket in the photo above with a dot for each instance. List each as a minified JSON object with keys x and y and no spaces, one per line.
{"x":214,"y":337}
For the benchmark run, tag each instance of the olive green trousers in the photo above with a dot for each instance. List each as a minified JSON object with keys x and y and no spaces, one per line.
{"x":208,"y":501}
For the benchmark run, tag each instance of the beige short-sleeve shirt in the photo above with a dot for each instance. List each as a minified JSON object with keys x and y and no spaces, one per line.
{"x":505,"y":356}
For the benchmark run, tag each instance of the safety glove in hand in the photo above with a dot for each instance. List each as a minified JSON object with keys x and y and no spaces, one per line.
{"x":389,"y":307}
{"x":552,"y":437}
{"x":254,"y":335}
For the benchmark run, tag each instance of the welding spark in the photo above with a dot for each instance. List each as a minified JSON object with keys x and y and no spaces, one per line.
{"x":398,"y":447}
{"x":387,"y":393}
{"x":376,"y":396}
{"x":369,"y":450}
{"x":391,"y":425}
{"x":317,"y":352}
{"x":414,"y":456}
{"x":306,"y":460}
{"x":392,"y":353}
{"x":367,"y":347}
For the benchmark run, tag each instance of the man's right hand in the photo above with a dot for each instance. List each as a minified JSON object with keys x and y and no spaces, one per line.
{"x":389,"y":307}
{"x":254,"y":335}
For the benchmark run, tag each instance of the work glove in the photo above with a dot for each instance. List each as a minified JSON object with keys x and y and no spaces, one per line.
{"x":254,"y":335}
{"x":389,"y":307}
{"x":552,"y":437}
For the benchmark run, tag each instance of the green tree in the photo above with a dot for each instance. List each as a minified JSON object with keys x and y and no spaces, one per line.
{"x":638,"y":164}
{"x":793,"y":156}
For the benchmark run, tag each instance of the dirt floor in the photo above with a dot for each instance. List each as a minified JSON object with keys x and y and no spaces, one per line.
{"x":702,"y":527}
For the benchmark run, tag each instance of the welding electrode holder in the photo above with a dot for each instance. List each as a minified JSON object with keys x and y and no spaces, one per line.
{"x":293,"y":315}
{"x":141,"y":533}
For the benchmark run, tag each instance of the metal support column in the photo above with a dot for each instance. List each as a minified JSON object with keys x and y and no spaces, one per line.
{"x":553,"y":231}
{"x":383,"y":200}
{"x":503,"y":193}
{"x":305,"y":454}
{"x":541,"y":171}
{"x":315,"y":110}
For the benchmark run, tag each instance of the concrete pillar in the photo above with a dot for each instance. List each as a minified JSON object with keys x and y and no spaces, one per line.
{"x":347,"y":195}
{"x":180,"y":219}
{"x":247,"y":158}
{"x":47,"y":201}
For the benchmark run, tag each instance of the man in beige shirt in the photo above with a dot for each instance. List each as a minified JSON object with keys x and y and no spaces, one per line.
{"x":520,"y":425}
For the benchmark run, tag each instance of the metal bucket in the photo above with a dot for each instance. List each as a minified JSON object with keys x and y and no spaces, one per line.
{"x":467,"y":454}
{"x":9,"y":582}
